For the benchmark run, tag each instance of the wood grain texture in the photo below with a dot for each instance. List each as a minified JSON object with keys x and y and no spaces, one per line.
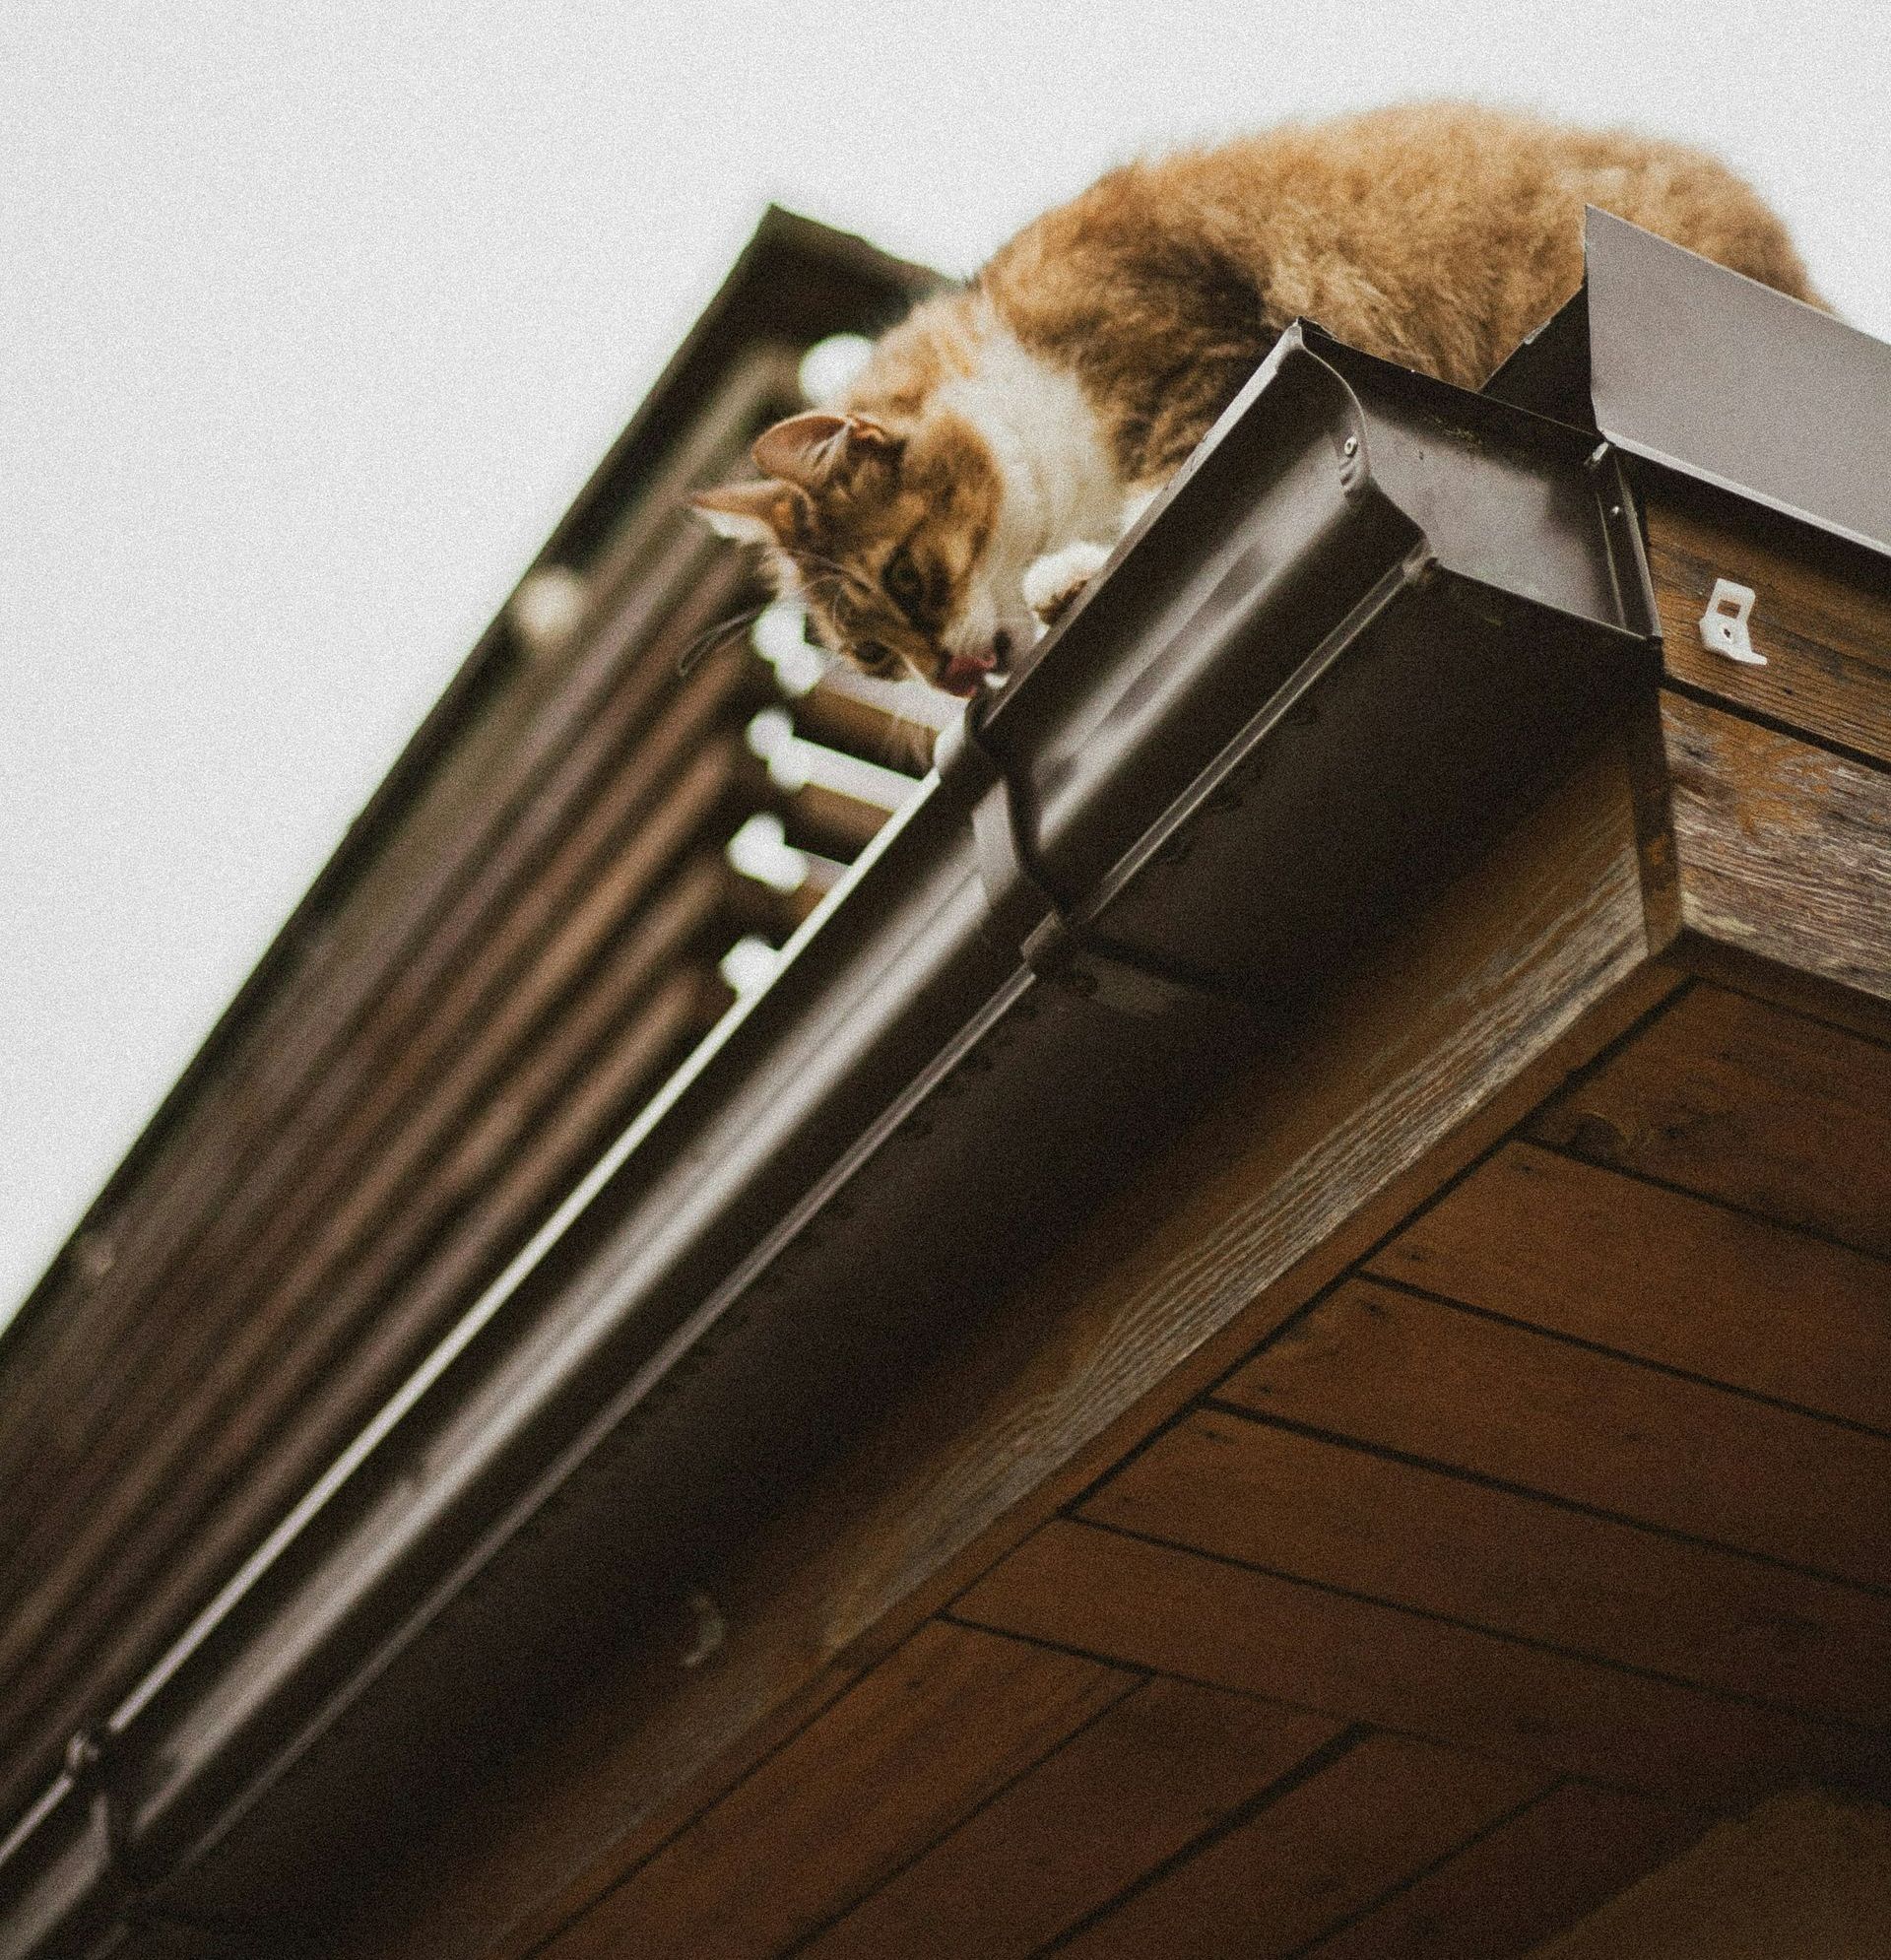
{"x":209,"y":1336}
{"x":1806,"y":1877}
{"x":376,"y":1187}
{"x":1382,"y":1529}
{"x":1826,"y":640}
{"x":1386,"y":1808}
{"x":1529,"y":1877}
{"x":1784,"y":849}
{"x":1161,"y":1607}
{"x":1305,"y":1159}
{"x":1790,"y":988}
{"x":1159,"y":1770}
{"x":1659,"y":1275}
{"x":1476,"y":1012}
{"x":1433,"y":1381}
{"x":140,"y":1597}
{"x":304,"y":1053}
{"x":432,"y":1212}
{"x":837,"y":1810}
{"x":1741,"y":1101}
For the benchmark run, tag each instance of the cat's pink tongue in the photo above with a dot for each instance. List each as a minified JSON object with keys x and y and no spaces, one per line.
{"x":966,"y":674}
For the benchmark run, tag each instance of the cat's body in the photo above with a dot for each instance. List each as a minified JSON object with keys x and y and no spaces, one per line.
{"x":1001,"y":438}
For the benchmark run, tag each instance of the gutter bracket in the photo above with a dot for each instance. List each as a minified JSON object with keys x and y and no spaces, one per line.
{"x":91,"y":1768}
{"x":1026,"y":916}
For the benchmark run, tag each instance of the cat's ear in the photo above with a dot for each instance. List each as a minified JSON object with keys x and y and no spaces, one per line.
{"x":751,"y":513}
{"x":821,"y":451}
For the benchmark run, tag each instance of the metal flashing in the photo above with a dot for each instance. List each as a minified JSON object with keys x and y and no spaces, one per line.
{"x":1700,"y":370}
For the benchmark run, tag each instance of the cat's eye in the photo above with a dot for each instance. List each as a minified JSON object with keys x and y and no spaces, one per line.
{"x":872,"y":657}
{"x":905,"y":585}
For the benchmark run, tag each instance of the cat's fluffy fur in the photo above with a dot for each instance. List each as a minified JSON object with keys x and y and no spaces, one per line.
{"x":1001,"y":438}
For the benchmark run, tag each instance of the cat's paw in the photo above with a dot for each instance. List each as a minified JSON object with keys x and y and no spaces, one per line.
{"x":1052,"y":584}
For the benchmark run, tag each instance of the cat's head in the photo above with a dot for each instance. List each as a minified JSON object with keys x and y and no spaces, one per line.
{"x":888,"y":536}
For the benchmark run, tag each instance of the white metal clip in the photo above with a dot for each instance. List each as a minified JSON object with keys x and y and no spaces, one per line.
{"x":1723,"y":623}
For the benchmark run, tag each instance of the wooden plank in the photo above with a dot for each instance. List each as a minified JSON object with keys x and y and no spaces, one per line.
{"x":1160,"y":1607}
{"x":835,"y":716}
{"x":941,"y":1726}
{"x":157,"y":1581}
{"x":1532,"y":1876}
{"x":1784,"y":850}
{"x":1388,"y":1530}
{"x":1400,"y":1075}
{"x":1383,"y":1811}
{"x":1159,"y":1769}
{"x":1733,"y":1298}
{"x":145,"y":1395}
{"x":1807,"y":1877}
{"x":1399,"y":1078}
{"x":1433,"y":1381}
{"x":287,"y":1299}
{"x":1826,"y":640}
{"x":829,"y":822}
{"x":1742,"y":1101}
{"x":397,"y":938}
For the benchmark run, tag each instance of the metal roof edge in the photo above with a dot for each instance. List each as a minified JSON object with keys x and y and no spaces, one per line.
{"x":1716,"y":376}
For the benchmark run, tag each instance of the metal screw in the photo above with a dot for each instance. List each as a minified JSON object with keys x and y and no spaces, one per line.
{"x":708,"y":1628}
{"x":84,"y":1752}
{"x":94,"y":1254}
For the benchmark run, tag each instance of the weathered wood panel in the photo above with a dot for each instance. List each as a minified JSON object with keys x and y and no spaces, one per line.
{"x":1434,"y":1381}
{"x":430,"y":1188}
{"x":1425,"y":1058}
{"x":139,"y":1598}
{"x":1383,"y":1529}
{"x":310,"y":1049}
{"x":1826,"y":639}
{"x":1659,"y":1275}
{"x":150,"y":1395}
{"x":1161,"y":1607}
{"x":840,"y":1809}
{"x":1159,"y":1769}
{"x":356,"y":1194}
{"x":1806,"y":1876}
{"x":1384,"y":1811}
{"x":1784,"y":849}
{"x":1531,"y":1876}
{"x":1307,"y":1158}
{"x":1742,"y":1101}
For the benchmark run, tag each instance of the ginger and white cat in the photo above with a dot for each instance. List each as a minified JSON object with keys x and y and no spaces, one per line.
{"x":1001,"y":439}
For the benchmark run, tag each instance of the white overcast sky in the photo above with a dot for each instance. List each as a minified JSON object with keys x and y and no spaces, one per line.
{"x":314,"y":317}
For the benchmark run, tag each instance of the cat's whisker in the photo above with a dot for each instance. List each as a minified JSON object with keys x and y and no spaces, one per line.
{"x":712,"y":640}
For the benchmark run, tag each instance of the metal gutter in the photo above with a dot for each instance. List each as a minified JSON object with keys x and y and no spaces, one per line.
{"x":1697,"y":369}
{"x":1370,"y":615}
